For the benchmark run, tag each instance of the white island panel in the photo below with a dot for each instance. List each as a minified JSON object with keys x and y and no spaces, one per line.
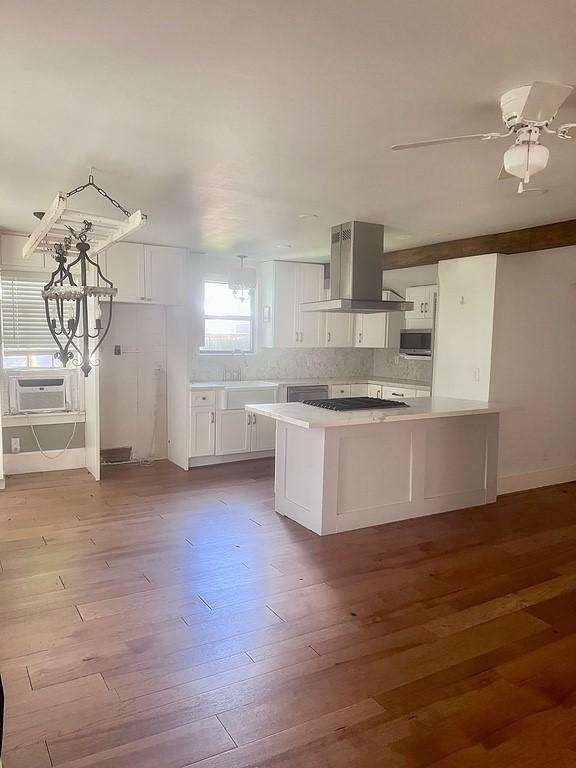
{"x":339,"y":478}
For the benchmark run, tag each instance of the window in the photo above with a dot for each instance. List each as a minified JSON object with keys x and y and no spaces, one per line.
{"x":26,"y":340}
{"x":228,"y":320}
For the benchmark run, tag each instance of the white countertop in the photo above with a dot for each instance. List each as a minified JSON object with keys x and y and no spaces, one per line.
{"x":309,"y":417}
{"x":234,"y":384}
{"x":255,"y":384}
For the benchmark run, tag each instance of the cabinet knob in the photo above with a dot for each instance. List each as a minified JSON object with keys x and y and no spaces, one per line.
{"x":211,"y":417}
{"x":329,"y":336}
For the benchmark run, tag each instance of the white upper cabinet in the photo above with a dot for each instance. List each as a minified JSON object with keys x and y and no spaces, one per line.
{"x":310,"y":326}
{"x":165,"y":274}
{"x":11,"y":255}
{"x":146,"y":273}
{"x":423,"y":297}
{"x":339,"y":329}
{"x":124,"y":264}
{"x":284,"y":286}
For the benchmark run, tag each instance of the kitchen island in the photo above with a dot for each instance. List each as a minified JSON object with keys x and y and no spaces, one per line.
{"x":338,"y":471}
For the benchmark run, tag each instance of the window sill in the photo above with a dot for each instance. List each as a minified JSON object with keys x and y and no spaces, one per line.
{"x":57,"y":417}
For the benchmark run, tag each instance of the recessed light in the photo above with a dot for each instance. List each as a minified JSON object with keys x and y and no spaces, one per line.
{"x":284,"y":245}
{"x":308,"y":216}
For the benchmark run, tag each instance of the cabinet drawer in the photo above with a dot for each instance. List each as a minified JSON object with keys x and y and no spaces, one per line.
{"x":359,"y":390}
{"x":374,"y":390}
{"x":340,"y":390}
{"x":396,"y":393}
{"x":202,"y":397}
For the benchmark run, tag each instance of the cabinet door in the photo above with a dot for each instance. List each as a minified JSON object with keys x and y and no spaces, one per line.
{"x":359,"y":390}
{"x":285,"y":334}
{"x":125,"y":266}
{"x":429,"y":297}
{"x":371,"y":330}
{"x":263,"y":433}
{"x":419,"y":295}
{"x":310,"y":326}
{"x":202,"y":432}
{"x":165,"y":276}
{"x":374,"y":390}
{"x":11,"y":254}
{"x":233,"y":430}
{"x":339,"y":329}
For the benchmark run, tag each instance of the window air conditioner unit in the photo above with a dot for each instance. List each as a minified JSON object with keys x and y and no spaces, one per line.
{"x":32,"y":394}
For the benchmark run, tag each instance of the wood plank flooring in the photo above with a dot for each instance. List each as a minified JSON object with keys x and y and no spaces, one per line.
{"x":164,"y":619}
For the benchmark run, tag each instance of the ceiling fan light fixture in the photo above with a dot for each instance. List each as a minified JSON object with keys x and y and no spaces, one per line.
{"x":525,"y":159}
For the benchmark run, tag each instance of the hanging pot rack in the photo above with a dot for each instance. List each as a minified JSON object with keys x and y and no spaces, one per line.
{"x":57,"y":220}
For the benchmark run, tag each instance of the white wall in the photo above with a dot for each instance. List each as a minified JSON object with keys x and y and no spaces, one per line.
{"x":534,"y":367}
{"x":400,"y":279}
{"x":464,"y":325}
{"x":518,"y":326}
{"x":133,"y":384}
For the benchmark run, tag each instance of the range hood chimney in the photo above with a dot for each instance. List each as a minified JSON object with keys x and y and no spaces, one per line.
{"x":356,"y":272}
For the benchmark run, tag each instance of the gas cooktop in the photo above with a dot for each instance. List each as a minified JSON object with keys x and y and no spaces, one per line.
{"x":355,"y":403}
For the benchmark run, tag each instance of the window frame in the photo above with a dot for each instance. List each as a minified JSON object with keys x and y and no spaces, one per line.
{"x":14,"y":275}
{"x":251,"y":318}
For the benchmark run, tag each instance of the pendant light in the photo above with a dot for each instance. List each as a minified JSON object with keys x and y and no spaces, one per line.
{"x":241,"y":281}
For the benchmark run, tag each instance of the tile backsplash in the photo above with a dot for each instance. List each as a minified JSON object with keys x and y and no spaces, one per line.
{"x":312,"y":364}
{"x":286,"y":364}
{"x":388,"y":362}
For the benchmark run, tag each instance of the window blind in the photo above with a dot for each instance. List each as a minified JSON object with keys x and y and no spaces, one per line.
{"x":24,"y":324}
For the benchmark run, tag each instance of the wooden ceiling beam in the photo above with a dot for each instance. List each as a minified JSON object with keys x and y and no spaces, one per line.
{"x":557,"y":235}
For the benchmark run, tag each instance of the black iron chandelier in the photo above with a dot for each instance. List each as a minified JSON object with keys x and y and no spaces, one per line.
{"x":66,"y":302}
{"x":68,"y":293}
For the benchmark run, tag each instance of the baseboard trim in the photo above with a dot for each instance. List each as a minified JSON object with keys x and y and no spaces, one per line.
{"x":538,"y":479}
{"x":34,"y":461}
{"x":205,"y":461}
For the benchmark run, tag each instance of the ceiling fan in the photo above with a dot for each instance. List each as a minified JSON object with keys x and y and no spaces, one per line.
{"x":527,"y":113}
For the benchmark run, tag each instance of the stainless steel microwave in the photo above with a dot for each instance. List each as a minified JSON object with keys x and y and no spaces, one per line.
{"x":416,"y":342}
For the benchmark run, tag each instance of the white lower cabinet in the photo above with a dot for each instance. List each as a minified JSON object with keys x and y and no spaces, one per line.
{"x":397,"y":393}
{"x":374,"y":390}
{"x":202,"y":432}
{"x":233,"y":432}
{"x":263,"y":433}
{"x":242,"y":432}
{"x":340,"y":390}
{"x":359,"y":390}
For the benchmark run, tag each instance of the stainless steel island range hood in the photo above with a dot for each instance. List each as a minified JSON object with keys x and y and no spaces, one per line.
{"x":356,"y":256}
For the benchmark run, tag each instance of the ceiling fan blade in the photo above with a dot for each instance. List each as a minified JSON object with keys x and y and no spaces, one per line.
{"x":544,"y":100}
{"x":504,"y":174}
{"x":448,"y":140}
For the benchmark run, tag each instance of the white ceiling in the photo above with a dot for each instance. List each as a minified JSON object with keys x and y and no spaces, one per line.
{"x":226,"y":120}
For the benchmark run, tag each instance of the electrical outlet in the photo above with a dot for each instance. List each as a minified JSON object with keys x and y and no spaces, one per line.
{"x":117,"y":349}
{"x":15,"y":444}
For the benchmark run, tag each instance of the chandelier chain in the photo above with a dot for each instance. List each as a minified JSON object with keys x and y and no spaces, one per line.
{"x":91,"y":183}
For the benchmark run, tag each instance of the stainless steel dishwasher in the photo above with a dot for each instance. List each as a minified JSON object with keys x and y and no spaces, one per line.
{"x":296,"y":394}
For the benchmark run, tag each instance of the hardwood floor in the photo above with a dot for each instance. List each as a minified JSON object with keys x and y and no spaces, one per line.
{"x":161,"y":619}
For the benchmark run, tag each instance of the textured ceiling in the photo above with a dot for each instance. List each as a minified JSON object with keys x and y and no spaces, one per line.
{"x":226,"y":121}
